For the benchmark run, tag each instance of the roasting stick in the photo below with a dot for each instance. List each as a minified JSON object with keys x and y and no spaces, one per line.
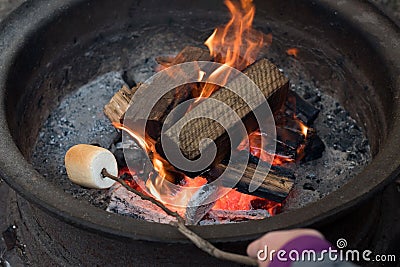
{"x":183,"y":229}
{"x":96,"y":167}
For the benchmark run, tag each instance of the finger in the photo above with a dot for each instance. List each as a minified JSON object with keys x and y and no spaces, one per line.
{"x":253,"y":248}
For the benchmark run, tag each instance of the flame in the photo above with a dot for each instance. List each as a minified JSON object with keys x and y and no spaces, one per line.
{"x":161,"y":166}
{"x":304,"y":128}
{"x":254,"y":143}
{"x":233,"y":200}
{"x":292,"y":52}
{"x":138,"y":139}
{"x":235,"y":44}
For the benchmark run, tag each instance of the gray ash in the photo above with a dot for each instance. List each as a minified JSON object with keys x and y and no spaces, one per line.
{"x":78,"y":119}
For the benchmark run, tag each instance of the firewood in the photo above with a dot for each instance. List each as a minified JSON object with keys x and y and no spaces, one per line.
{"x":118,"y":105}
{"x":303,"y":110}
{"x":276,"y":184}
{"x":174,"y":97}
{"x":84,"y":164}
{"x":187,"y":132}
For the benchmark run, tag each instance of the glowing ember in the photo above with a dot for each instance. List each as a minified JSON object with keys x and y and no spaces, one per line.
{"x":292,"y":52}
{"x":234,"y":200}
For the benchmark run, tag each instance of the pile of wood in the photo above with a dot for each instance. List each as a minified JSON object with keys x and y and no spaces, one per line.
{"x":278,"y":182}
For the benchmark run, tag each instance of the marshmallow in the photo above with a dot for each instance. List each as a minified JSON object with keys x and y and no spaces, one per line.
{"x":84,"y":164}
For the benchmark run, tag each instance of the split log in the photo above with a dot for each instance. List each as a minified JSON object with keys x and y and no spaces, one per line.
{"x":276,"y":184}
{"x":118,"y":105}
{"x":187,"y":132}
{"x":174,"y":97}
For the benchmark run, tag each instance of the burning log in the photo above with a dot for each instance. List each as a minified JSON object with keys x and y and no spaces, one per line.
{"x":118,"y":105}
{"x":276,"y":185}
{"x":303,"y":110}
{"x":174,"y":97}
{"x":272,"y":83}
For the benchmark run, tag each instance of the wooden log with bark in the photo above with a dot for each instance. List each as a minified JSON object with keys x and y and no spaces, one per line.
{"x":276,"y":183}
{"x":118,"y":105}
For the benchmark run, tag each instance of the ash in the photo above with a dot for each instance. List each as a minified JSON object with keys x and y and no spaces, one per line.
{"x":80,"y":118}
{"x":346,"y":151}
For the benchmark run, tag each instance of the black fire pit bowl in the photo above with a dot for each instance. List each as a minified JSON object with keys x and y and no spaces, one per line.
{"x":49,"y":48}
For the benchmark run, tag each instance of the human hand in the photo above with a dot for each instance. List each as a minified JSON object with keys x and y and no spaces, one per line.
{"x":275,"y":241}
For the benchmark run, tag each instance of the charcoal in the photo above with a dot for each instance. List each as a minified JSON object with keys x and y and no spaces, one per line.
{"x":308,"y":186}
{"x":10,"y":237}
{"x":303,"y":110}
{"x":288,"y":141}
{"x":314,"y":147}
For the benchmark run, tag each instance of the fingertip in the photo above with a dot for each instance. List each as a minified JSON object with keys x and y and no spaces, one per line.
{"x":252,"y":248}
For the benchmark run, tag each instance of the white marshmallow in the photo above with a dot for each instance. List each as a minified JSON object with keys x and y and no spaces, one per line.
{"x":84,"y":164}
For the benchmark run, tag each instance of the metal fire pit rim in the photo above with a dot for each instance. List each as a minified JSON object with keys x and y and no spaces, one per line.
{"x":28,"y":182}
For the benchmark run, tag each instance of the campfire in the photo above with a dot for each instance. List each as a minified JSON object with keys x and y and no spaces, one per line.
{"x":234,"y":45}
{"x":66,"y":61}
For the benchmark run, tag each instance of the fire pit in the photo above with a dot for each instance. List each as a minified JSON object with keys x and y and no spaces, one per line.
{"x":345,"y":49}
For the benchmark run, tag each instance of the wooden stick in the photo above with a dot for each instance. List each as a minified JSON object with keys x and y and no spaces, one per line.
{"x":183,"y":229}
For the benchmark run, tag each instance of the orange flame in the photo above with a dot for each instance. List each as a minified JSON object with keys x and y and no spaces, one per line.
{"x":147,"y":146}
{"x":235,"y":44}
{"x":160,"y":165}
{"x":233,"y":200}
{"x":254,"y":143}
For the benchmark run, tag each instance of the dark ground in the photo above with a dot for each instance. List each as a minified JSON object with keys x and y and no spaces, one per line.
{"x":387,"y":235}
